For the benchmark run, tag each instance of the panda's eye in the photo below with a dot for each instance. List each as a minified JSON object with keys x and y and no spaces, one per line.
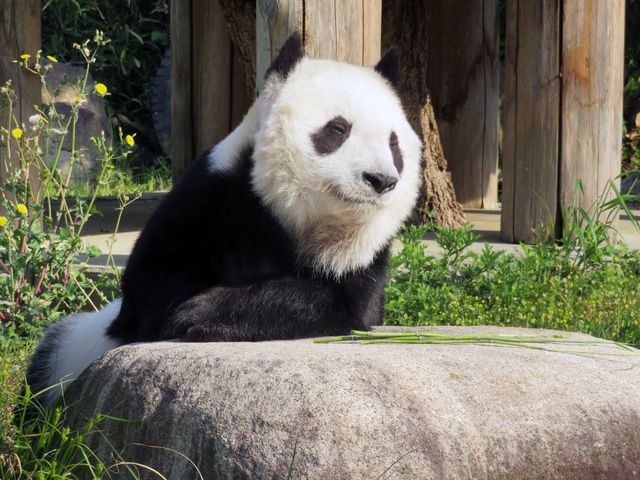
{"x":330,"y":138}
{"x":393,"y":140}
{"x":339,"y":126}
{"x":395,"y":152}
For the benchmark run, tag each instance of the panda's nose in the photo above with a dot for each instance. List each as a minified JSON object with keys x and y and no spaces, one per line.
{"x":380,"y":182}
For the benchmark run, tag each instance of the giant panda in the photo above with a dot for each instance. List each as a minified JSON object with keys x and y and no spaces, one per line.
{"x":281,"y":231}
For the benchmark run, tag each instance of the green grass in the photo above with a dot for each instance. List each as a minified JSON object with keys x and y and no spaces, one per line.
{"x":122,"y":177}
{"x":582,"y":283}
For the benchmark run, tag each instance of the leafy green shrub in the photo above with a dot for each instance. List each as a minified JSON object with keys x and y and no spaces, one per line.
{"x":139,"y":33}
{"x":41,"y":279}
{"x":38,"y":279}
{"x":582,"y":283}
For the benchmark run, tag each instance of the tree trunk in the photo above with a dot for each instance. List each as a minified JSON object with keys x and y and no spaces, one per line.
{"x":241,"y":22}
{"x":405,"y":24}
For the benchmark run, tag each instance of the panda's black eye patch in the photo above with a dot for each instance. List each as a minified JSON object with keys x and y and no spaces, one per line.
{"x":331,"y":137}
{"x":395,"y":152}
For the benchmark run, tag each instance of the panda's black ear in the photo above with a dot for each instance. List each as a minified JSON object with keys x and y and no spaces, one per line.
{"x":389,"y":68}
{"x":290,"y":54}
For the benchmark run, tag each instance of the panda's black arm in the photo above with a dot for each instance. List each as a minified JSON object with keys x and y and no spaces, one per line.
{"x":284,"y":308}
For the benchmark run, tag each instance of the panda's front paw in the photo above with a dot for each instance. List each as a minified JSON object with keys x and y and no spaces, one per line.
{"x":176,"y":327}
{"x":188,"y":329}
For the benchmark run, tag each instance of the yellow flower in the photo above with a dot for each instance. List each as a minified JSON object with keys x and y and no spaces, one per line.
{"x":3,"y":221}
{"x":52,"y":59}
{"x":26,"y":56}
{"x":84,"y":264}
{"x":21,"y":209}
{"x":110,"y":166}
{"x":16,"y":132}
{"x":101,"y":89}
{"x":129,"y":140}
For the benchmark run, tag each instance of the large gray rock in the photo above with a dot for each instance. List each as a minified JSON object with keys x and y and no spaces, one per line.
{"x":62,"y":86}
{"x":446,"y":411}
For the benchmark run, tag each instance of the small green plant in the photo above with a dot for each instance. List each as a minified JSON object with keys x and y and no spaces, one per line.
{"x":123,"y":178}
{"x":45,"y":446}
{"x":41,"y":278}
{"x":583,"y":282}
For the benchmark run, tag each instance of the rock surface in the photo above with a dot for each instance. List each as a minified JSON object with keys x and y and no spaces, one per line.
{"x":441,"y":411}
{"x":93,"y":121}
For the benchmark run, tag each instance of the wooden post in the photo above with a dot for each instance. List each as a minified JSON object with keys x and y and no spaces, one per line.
{"x":531,"y":117}
{"x":19,"y":34}
{"x":463,"y":78}
{"x":207,"y":98}
{"x":343,"y":30}
{"x":592,"y":89}
{"x":563,"y":108}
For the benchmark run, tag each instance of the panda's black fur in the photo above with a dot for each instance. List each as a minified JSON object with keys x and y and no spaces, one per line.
{"x":235,"y":278}
{"x":215,"y":263}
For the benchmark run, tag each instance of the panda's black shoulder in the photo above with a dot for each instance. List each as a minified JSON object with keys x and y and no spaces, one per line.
{"x":214,"y":218}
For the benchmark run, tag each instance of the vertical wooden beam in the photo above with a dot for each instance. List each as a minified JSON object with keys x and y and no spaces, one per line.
{"x":208,"y":92}
{"x":182,"y":146}
{"x":211,"y":73}
{"x":593,"y":55}
{"x":275,"y":21}
{"x":463,"y":81}
{"x":349,"y":20}
{"x":509,"y":121}
{"x":563,"y":108}
{"x":532,"y":118}
{"x":372,"y":34}
{"x":19,"y":34}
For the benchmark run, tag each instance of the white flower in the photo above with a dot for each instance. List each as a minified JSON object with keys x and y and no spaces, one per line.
{"x":33,"y":119}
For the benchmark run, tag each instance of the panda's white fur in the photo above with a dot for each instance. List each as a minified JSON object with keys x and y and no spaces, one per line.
{"x":266,"y":236}
{"x":338,"y":219}
{"x":71,"y":345}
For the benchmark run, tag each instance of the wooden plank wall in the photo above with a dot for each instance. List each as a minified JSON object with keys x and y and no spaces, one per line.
{"x":531,"y":117}
{"x":19,"y":34}
{"x":343,"y":30}
{"x":463,"y":79}
{"x":563,"y":108}
{"x":208,"y":94}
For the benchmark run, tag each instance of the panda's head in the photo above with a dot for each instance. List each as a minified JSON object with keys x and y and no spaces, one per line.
{"x":335,"y":158}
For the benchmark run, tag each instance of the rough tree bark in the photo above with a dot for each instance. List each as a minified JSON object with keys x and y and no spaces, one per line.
{"x":404,"y":24}
{"x":241,"y":20}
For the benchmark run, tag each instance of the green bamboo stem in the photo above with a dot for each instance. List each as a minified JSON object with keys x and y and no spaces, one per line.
{"x":524,"y":341}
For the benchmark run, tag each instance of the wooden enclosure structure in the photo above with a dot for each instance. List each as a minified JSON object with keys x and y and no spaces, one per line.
{"x":19,"y":34}
{"x":563,"y":108}
{"x":562,"y":103}
{"x":208,"y":93}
